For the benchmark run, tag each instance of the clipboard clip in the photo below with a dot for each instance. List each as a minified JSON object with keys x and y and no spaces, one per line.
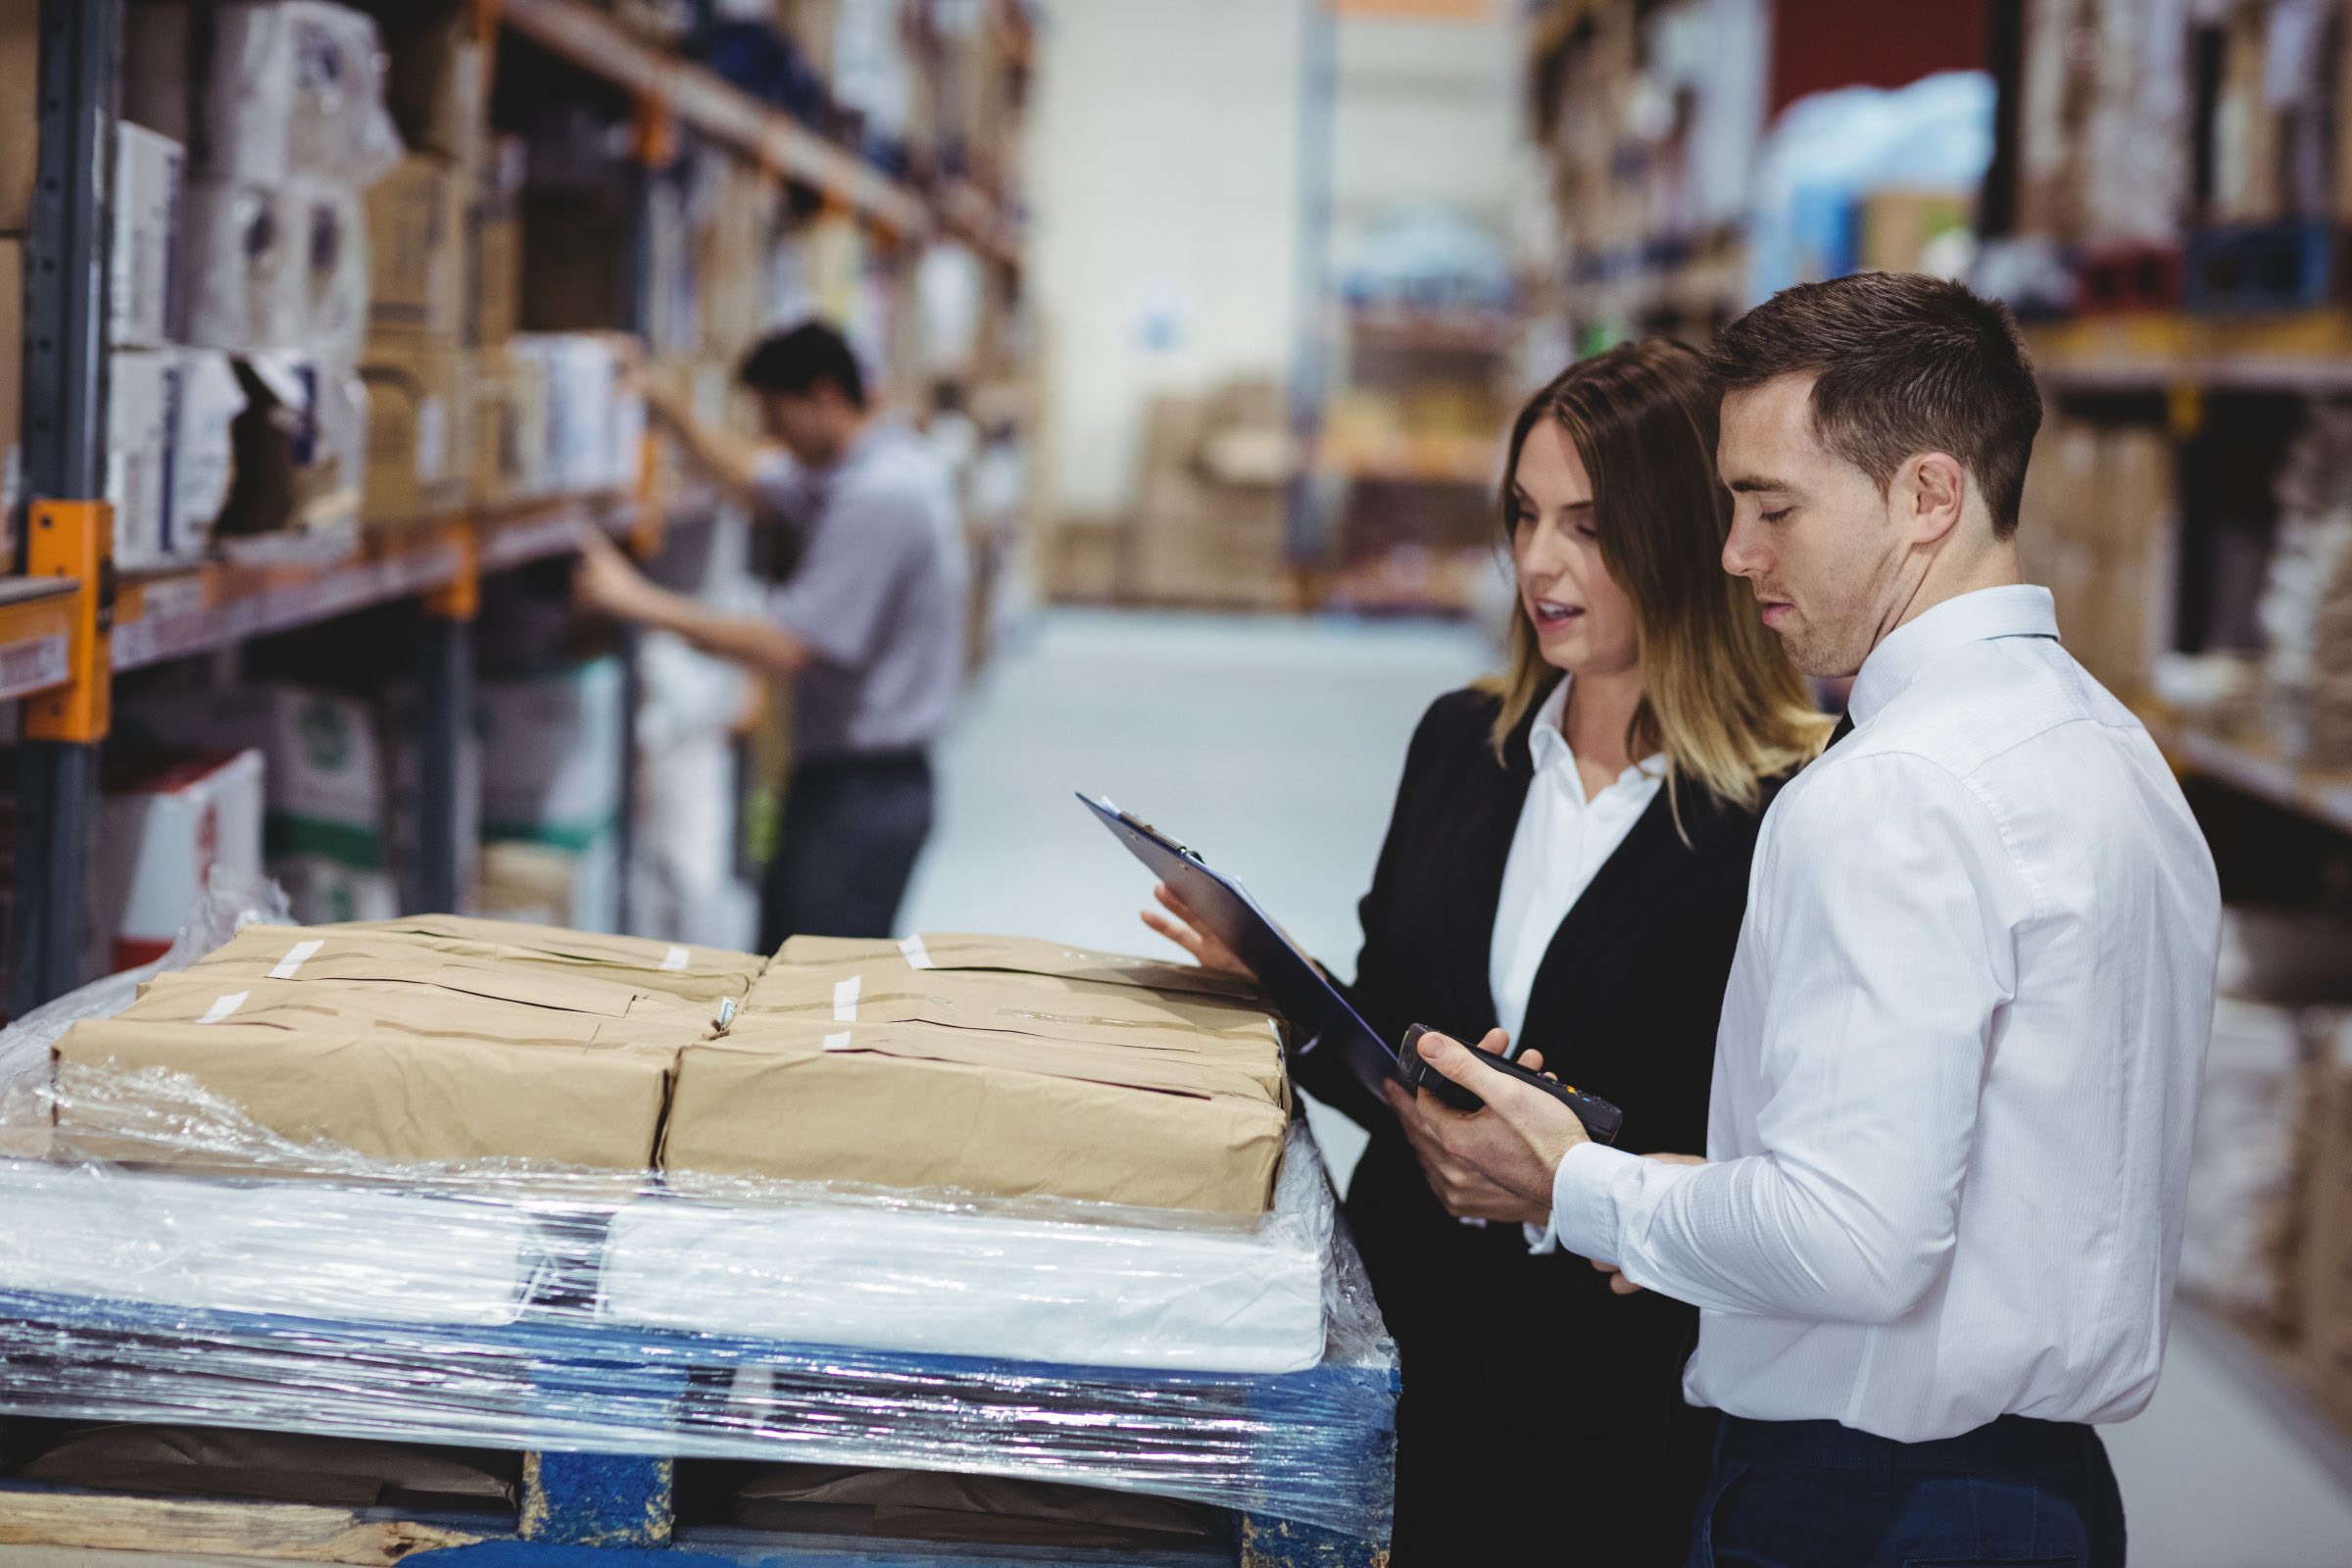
{"x":1141,"y":826}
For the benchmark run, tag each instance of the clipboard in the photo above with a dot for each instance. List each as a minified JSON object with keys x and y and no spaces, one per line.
{"x":1317,"y":1013}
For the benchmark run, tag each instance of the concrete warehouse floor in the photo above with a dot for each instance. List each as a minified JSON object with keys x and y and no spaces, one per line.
{"x":1274,"y":746}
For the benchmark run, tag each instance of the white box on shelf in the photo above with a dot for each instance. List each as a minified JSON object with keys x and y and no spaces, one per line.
{"x":170,"y":458}
{"x":162,"y":830}
{"x":143,"y":274}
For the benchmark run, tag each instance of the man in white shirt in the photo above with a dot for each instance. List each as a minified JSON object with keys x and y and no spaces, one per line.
{"x":1935,"y":1233}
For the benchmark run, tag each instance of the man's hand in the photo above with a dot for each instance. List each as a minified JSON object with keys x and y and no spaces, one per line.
{"x":1519,"y":1139}
{"x":1464,"y":1191}
{"x":607,"y":581}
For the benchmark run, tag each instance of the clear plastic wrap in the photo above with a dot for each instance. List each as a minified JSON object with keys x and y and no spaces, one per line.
{"x":1228,"y":1362}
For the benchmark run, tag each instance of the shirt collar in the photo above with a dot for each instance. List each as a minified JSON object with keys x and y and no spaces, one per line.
{"x":2022,"y":610}
{"x":1547,"y":742}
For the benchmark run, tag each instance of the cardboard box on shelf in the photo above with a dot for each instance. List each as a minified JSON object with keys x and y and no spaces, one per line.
{"x":546,"y":884}
{"x":437,"y":85}
{"x":553,"y":748}
{"x":421,"y":420}
{"x":417,"y":238}
{"x":572,"y":256}
{"x":1900,"y":227}
{"x":510,"y":428}
{"x":552,"y":795}
{"x":143,"y":275}
{"x":1086,"y":560}
{"x":279,"y":267}
{"x":976,"y":1110}
{"x":170,"y":414}
{"x":2327,"y":1235}
{"x":381,"y":1096}
{"x":19,"y":110}
{"x":494,"y":247}
{"x":165,"y":822}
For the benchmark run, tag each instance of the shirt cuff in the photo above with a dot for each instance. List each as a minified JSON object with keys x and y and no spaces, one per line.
{"x":1541,"y":1240}
{"x":1585,"y":1197}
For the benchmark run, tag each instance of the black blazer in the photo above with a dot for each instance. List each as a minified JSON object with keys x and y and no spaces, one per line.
{"x":1625,"y":1004}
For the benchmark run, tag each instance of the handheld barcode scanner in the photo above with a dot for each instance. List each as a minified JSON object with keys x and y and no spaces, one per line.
{"x":1600,"y":1118}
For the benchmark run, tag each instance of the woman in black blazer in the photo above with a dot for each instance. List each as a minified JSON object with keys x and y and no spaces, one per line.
{"x":1587,"y":885}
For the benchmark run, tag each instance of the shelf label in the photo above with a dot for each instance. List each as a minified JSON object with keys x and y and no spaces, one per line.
{"x":34,"y":667}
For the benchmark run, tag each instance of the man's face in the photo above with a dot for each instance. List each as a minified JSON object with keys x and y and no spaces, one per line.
{"x":1809,"y":529}
{"x":803,"y":424}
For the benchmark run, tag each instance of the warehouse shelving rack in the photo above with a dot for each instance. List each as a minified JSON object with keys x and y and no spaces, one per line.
{"x":70,"y":624}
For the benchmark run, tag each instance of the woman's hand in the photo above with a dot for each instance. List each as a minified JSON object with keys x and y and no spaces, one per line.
{"x":1460,"y":1187}
{"x":1183,"y":927}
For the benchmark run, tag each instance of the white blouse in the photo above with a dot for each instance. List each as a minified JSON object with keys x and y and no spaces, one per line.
{"x":1562,"y":841}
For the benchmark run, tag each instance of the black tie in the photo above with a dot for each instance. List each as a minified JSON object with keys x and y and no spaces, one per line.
{"x":1845,"y":727}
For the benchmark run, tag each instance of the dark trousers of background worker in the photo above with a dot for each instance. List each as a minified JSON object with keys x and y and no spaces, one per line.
{"x":1816,"y":1494}
{"x":853,"y":828}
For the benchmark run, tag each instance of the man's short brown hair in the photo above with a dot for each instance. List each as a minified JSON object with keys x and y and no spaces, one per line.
{"x":1903,"y":363}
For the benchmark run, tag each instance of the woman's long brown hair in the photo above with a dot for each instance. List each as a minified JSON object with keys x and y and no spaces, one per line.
{"x":1719,"y":697}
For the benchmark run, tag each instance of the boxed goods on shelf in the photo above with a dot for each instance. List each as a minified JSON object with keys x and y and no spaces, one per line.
{"x":2306,"y":605}
{"x":2237,"y":1247}
{"x":20,"y":110}
{"x":417,"y":238}
{"x":521,"y":880}
{"x":11,"y":390}
{"x":301,"y":446}
{"x":296,"y":87}
{"x":1198,"y":538}
{"x":148,"y":203}
{"x":170,"y":421}
{"x":594,"y":422}
{"x":422,"y":418}
{"x":167,"y":823}
{"x":2097,"y":524}
{"x":438,"y":81}
{"x":2327,"y":1236}
{"x":552,"y":782}
{"x":323,"y":831}
{"x":494,"y":248}
{"x":281,"y":267}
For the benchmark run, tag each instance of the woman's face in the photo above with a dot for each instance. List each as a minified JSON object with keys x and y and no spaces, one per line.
{"x":1584,"y":622}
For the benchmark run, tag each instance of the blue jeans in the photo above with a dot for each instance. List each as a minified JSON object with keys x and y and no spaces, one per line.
{"x":2017,"y":1493}
{"x":853,"y":828}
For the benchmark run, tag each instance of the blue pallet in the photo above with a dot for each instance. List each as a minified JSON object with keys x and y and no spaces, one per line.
{"x":603,"y":1409}
{"x":2260,"y":266}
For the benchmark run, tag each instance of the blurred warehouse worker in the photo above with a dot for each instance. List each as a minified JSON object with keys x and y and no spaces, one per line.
{"x":1569,"y":855}
{"x":1935,"y":1235}
{"x":867,"y":629}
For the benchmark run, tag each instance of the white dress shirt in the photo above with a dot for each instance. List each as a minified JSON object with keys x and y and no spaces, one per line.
{"x":1561,"y":843}
{"x":1959,"y":1059}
